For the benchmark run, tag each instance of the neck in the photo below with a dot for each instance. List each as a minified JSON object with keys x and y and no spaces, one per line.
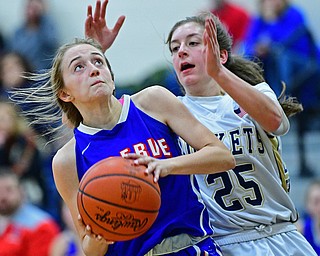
{"x":206,"y":90}
{"x":104,"y":116}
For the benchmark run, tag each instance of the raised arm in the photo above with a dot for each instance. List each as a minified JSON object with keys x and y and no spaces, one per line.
{"x":264,"y":110}
{"x":96,"y":25}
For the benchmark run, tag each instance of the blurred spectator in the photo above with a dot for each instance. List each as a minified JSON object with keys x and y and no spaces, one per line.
{"x":235,"y":18}
{"x":12,"y":66}
{"x":13,"y":69}
{"x":67,"y":242}
{"x":282,"y":41}
{"x":19,"y":152}
{"x":309,"y":226}
{"x":24,"y":228}
{"x":37,"y":37}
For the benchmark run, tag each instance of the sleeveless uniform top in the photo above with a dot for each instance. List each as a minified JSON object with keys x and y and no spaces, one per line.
{"x":255,"y":192}
{"x":309,"y":232}
{"x":182,"y":209}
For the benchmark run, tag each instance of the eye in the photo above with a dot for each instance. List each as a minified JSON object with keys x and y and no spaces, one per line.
{"x":194,"y":43}
{"x":78,"y":67}
{"x":98,"y":62}
{"x":175,"y":48}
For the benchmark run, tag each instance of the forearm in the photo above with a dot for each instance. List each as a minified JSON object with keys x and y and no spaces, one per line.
{"x":259,"y":106}
{"x":210,"y":159}
{"x":91,"y":244}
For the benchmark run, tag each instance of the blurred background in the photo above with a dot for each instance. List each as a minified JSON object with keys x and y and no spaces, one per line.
{"x":140,"y":57}
{"x":140,"y":47}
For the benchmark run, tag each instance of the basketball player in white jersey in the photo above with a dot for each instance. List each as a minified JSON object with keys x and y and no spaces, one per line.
{"x":250,"y":208}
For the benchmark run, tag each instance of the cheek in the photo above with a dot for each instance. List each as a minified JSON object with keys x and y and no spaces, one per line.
{"x":175,"y":62}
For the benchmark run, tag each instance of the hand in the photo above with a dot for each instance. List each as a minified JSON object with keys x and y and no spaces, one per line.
{"x":212,"y":49}
{"x":92,"y":244}
{"x":96,"y":26}
{"x":157,"y":167}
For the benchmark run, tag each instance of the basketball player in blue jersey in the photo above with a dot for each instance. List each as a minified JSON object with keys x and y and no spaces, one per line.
{"x":249,"y":206}
{"x":147,"y":123}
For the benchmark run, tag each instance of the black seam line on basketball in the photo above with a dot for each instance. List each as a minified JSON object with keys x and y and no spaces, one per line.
{"x":118,"y":205}
{"x":124,"y":175}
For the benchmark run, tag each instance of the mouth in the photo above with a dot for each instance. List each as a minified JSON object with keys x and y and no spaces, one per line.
{"x":186,"y":66}
{"x":97,"y":82}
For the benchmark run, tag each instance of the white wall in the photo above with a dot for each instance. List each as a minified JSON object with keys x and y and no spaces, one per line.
{"x":140,"y":46}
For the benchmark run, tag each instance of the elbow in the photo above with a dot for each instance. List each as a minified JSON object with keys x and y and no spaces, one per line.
{"x":228,"y":162}
{"x":273,"y":122}
{"x":276,"y":122}
{"x":231,"y":163}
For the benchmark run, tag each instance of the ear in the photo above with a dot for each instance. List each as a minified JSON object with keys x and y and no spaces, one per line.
{"x":224,"y":56}
{"x":64,"y":96}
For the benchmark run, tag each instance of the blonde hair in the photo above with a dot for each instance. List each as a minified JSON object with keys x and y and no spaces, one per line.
{"x":44,"y":95}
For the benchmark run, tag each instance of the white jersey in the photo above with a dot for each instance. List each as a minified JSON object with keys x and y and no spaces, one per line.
{"x":255,"y":192}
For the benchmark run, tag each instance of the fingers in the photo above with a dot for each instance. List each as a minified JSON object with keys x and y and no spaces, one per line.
{"x":96,"y":16}
{"x":81,"y":224}
{"x":104,"y":9}
{"x":132,"y":156}
{"x":144,"y":160}
{"x":119,"y":24}
{"x":156,"y":173}
{"x":88,"y":231}
{"x":89,"y":10}
{"x":88,"y":26}
{"x":100,"y":11}
{"x":109,"y":242}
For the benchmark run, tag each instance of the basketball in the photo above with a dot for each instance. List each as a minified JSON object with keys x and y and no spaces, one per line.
{"x":117,"y":199}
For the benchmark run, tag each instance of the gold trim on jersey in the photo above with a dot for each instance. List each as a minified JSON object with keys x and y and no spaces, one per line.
{"x":283,"y":172}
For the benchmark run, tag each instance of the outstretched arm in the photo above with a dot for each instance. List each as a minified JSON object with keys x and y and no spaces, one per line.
{"x":96,"y":25}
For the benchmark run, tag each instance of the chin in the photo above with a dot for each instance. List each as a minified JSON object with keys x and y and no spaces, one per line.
{"x":189,"y":82}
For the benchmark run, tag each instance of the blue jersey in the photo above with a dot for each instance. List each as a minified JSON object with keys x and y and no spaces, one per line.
{"x":182,"y":210}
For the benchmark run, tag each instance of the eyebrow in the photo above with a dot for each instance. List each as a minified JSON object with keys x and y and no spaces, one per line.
{"x":78,"y":57}
{"x":188,"y":36}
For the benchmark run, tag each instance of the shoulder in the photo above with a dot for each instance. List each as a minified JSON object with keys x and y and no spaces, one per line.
{"x":155,"y":100}
{"x":64,"y":163}
{"x":159,"y":103}
{"x":64,"y":155}
{"x":151,"y":93}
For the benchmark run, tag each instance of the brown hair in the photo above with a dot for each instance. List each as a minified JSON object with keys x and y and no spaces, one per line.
{"x":248,"y":70}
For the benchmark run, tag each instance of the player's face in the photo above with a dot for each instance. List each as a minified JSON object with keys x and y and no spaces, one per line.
{"x":85,"y":73}
{"x":188,"y":56}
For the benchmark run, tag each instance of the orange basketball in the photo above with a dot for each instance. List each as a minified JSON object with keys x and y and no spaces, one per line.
{"x":117,"y":199}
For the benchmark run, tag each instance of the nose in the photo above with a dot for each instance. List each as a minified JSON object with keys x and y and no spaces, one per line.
{"x":94,"y":71}
{"x":182,"y":51}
